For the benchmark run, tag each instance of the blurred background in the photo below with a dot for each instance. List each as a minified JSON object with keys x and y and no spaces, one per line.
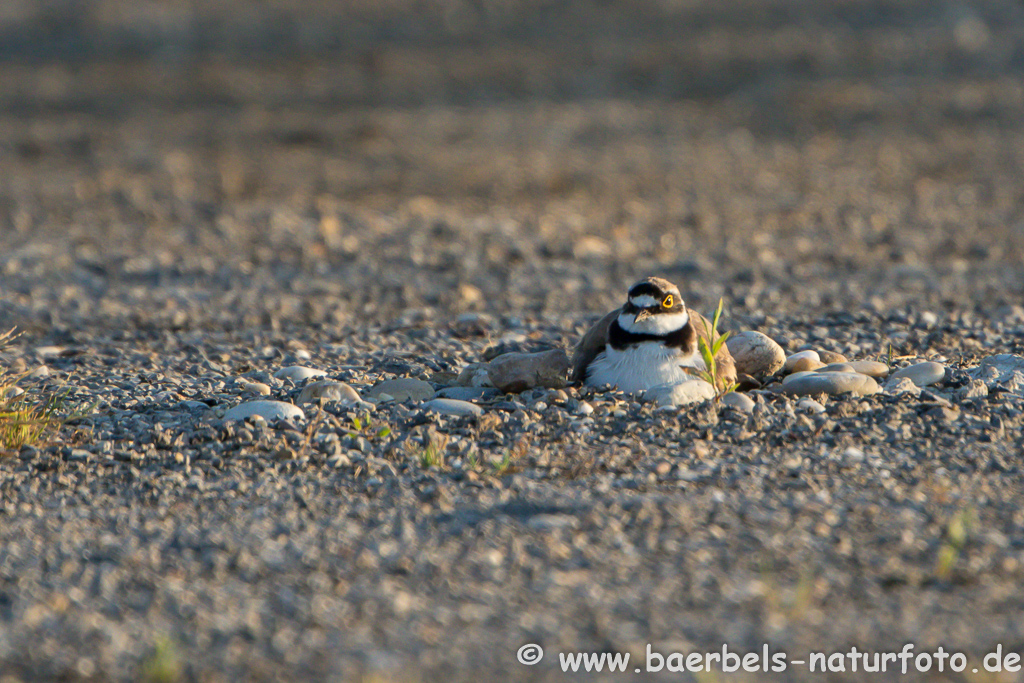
{"x":288,"y":163}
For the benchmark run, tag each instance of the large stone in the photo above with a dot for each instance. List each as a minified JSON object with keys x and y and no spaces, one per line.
{"x":297,"y":373}
{"x":268,"y":410}
{"x":1004,"y":370}
{"x":451,"y":406}
{"x":756,"y":354}
{"x":921,"y":374}
{"x":832,"y":384}
{"x":402,"y":389}
{"x":680,"y":394}
{"x":517,"y":372}
{"x":328,"y":391}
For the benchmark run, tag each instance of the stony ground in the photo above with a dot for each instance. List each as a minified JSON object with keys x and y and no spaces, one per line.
{"x":387,"y":192}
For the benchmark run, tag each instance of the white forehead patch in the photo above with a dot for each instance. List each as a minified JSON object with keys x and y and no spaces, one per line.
{"x":660,"y":324}
{"x":644,"y":301}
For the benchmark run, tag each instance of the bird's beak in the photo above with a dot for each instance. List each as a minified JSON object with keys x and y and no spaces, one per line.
{"x":642,"y":314}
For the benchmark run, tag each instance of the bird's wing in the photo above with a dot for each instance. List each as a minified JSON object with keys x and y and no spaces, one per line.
{"x":593,"y":343}
{"x":725,"y":366}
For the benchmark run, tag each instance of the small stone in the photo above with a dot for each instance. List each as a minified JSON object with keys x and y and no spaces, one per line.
{"x":831,"y":357}
{"x":921,"y":374}
{"x":806,"y":365}
{"x":268,"y":410}
{"x":792,"y":361}
{"x":682,"y":393}
{"x":467,"y":393}
{"x":42,"y":372}
{"x":297,"y":373}
{"x":974,"y":389}
{"x":255,"y":387}
{"x":756,"y":354}
{"x":13,"y":392}
{"x":832,"y":384}
{"x":871,"y":368}
{"x":739,"y":401}
{"x":474,"y":375}
{"x":451,"y":406}
{"x":584,"y":408}
{"x":328,"y":391}
{"x":944,"y":413}
{"x":809,"y":405}
{"x":47,"y":351}
{"x":853,"y":454}
{"x":402,"y":389}
{"x":339,"y":460}
{"x":796,"y":375}
{"x":517,"y":372}
{"x":902,"y":385}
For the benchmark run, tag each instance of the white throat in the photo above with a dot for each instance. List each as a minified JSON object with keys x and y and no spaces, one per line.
{"x":660,"y":324}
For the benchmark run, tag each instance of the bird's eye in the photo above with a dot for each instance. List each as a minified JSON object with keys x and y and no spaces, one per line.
{"x":667,"y":301}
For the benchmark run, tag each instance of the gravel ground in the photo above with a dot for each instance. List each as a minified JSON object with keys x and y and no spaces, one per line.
{"x":196,"y":199}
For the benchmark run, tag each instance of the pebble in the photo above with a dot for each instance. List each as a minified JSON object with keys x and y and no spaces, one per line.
{"x":268,"y":410}
{"x":871,"y":368}
{"x":517,"y":372}
{"x":297,"y":373}
{"x":328,"y":391}
{"x":402,"y":389}
{"x":803,"y":361}
{"x":474,"y":375}
{"x":831,"y":357}
{"x":42,"y":372}
{"x":756,"y":354}
{"x":809,"y":405}
{"x":255,"y":387}
{"x":741,"y":402}
{"x":584,"y":408}
{"x":973,"y":389}
{"x":831,"y":383}
{"x":683,"y":393}
{"x":921,"y":374}
{"x":13,"y":392}
{"x":467,"y":393}
{"x":452,"y":406}
{"x":902,"y":385}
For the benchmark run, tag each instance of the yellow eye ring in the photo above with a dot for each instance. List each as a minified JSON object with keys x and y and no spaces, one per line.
{"x":667,"y":301}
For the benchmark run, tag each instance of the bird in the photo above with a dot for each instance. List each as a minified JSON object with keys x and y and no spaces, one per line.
{"x":648,"y":341}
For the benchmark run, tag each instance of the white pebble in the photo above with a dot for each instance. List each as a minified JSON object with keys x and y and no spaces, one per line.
{"x":297,"y":373}
{"x":268,"y":410}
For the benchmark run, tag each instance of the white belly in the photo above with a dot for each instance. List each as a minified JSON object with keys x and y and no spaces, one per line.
{"x":641,"y":367}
